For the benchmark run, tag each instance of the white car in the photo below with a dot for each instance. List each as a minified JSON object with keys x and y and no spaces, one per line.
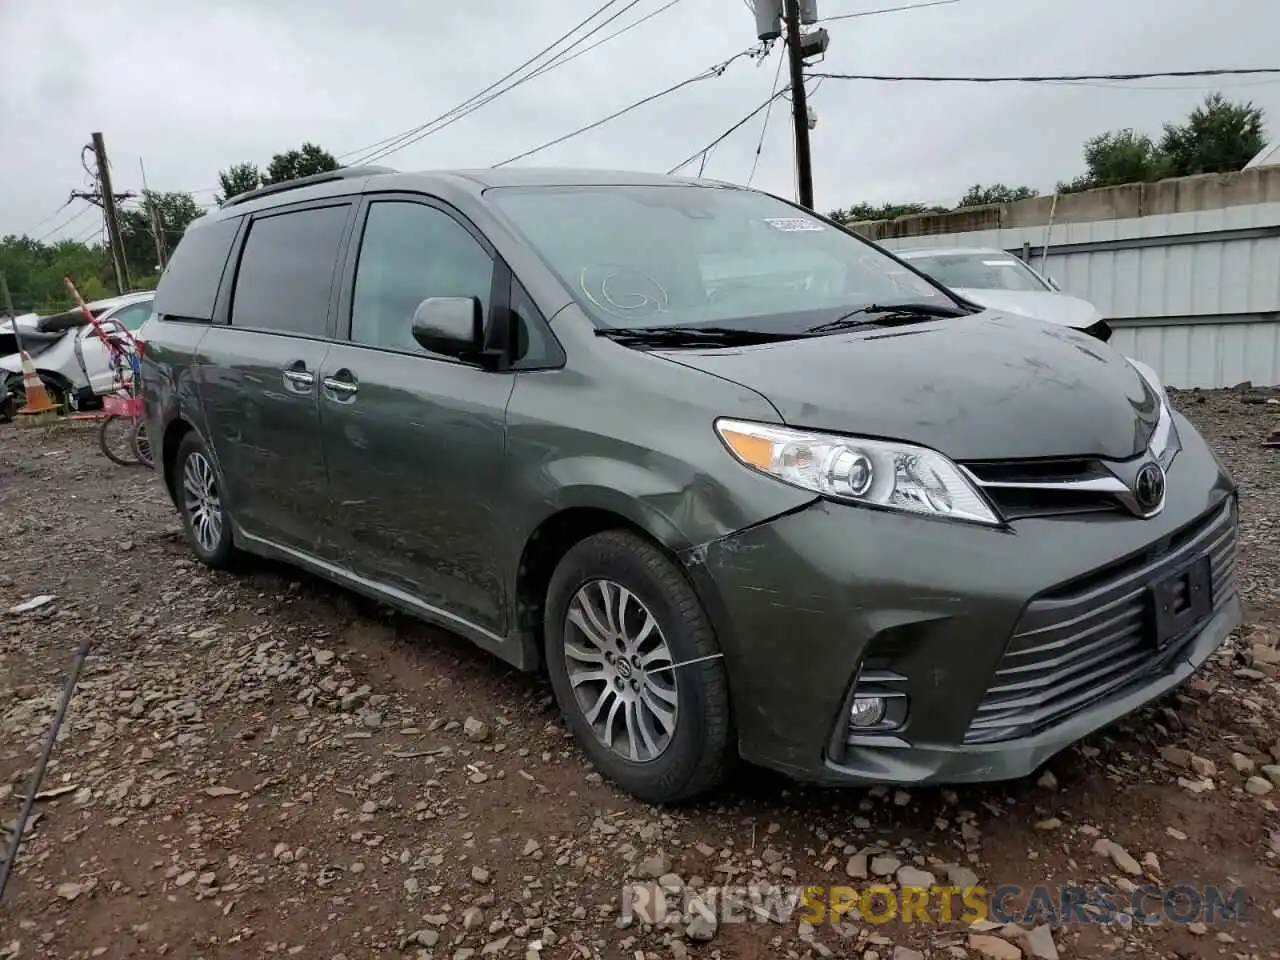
{"x":997,"y":279}
{"x":67,"y":352}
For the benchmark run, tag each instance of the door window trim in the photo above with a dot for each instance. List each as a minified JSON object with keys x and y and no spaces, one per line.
{"x":225,"y":304}
{"x":499,"y":290}
{"x":500,"y":294}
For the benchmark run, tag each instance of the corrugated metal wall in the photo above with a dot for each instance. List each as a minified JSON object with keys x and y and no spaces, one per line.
{"x":1196,"y":295}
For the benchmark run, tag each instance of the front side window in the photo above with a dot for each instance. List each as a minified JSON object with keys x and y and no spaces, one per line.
{"x":134,"y":315}
{"x":286,"y":272}
{"x":410,"y":252}
{"x":980,"y":271}
{"x":649,"y":256}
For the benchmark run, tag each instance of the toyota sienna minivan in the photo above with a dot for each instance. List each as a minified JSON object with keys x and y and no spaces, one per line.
{"x":742,"y":483}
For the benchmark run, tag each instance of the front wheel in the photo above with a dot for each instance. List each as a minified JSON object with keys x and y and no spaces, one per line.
{"x":141,"y":445}
{"x":204,"y":513}
{"x":636,"y":668}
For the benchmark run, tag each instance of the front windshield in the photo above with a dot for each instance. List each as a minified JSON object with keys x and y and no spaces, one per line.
{"x":979,"y":271}
{"x":680,"y":255}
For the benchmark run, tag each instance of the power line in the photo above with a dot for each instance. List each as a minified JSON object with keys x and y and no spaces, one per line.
{"x":394,"y":144}
{"x":550,"y":65}
{"x":764,"y":127}
{"x":715,"y":71}
{"x":62,"y":226}
{"x":1065,"y":78}
{"x":32,"y":229}
{"x":872,"y":13}
{"x":724,"y":136}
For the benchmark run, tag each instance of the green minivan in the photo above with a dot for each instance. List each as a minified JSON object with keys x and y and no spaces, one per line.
{"x":743,"y":484}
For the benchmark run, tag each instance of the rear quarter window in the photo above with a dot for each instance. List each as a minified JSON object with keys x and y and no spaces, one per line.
{"x":189,"y":286}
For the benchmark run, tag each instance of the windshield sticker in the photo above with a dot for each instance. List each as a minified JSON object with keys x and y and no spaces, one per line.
{"x":999,"y":263}
{"x":794,"y":225}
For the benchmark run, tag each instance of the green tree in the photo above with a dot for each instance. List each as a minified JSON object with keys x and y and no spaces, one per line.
{"x":1118,"y":157}
{"x":978,"y":195}
{"x":175,"y":210}
{"x":35,"y":272}
{"x":1217,"y":137}
{"x":237,"y":179}
{"x":303,"y":162}
{"x":885,"y":211}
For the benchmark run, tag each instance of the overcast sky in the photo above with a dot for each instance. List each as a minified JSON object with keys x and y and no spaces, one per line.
{"x":194,"y":87}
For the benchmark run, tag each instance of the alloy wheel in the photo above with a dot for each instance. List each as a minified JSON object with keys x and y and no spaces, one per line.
{"x":620,"y":670}
{"x":204,"y":506}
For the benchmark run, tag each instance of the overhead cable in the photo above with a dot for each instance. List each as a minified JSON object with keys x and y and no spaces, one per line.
{"x":764,"y":127}
{"x":1062,"y":78}
{"x":872,"y":13}
{"x":466,"y":108}
{"x":724,"y":136}
{"x":66,"y":223}
{"x":373,"y":149}
{"x":715,"y":71}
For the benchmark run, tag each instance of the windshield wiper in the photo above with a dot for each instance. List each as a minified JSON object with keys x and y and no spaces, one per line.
{"x":888,"y":314}
{"x":677,"y":336}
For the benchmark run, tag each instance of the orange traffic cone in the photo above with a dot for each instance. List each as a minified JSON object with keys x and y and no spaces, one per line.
{"x":37,"y":397}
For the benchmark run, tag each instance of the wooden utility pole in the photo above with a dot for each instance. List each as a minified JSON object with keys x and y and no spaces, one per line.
{"x":799,"y":103}
{"x":113,"y":221}
{"x":8,"y":305}
{"x":153,"y":215}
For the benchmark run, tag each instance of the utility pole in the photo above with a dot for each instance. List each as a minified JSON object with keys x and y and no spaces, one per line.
{"x":113,"y":221}
{"x":8,"y":305}
{"x":153,"y":214}
{"x":799,"y":103}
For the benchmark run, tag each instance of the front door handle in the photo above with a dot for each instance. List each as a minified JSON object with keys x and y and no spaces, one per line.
{"x":299,"y":381}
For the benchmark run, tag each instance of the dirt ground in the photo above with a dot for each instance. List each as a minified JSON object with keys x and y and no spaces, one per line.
{"x":261,"y":764}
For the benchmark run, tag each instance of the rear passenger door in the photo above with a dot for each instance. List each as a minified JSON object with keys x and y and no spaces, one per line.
{"x":415,"y":441}
{"x":261,"y":370}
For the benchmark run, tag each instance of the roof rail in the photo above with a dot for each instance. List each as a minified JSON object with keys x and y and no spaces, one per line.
{"x":342,"y":173}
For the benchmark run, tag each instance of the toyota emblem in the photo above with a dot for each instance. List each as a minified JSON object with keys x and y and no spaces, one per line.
{"x":1148,"y":487}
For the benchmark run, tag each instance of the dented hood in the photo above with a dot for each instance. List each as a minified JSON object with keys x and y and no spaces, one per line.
{"x":987,"y":386}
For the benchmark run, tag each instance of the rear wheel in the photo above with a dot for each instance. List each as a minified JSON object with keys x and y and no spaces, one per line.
{"x":204,"y":513}
{"x":115,"y":440}
{"x":636,"y":669}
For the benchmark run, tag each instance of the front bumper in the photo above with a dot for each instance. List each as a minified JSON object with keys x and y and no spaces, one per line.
{"x":940,"y":611}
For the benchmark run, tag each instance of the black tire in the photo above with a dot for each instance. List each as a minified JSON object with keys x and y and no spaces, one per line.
{"x":115,"y":432}
{"x":220,"y":550}
{"x":698,"y":754}
{"x":140,"y":443}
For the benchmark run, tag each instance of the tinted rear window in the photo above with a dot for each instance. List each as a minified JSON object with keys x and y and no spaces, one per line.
{"x":287,"y":271}
{"x":189,"y":285}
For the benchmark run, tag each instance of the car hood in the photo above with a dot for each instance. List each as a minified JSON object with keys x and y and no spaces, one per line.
{"x":981,"y":387}
{"x":1041,"y":304}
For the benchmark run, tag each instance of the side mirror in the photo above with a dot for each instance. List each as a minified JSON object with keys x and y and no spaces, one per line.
{"x":452,"y":326}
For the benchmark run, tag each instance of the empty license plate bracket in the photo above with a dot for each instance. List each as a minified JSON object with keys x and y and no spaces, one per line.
{"x":1182,"y":600}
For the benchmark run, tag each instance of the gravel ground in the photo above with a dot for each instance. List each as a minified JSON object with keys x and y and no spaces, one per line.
{"x":263,"y":764}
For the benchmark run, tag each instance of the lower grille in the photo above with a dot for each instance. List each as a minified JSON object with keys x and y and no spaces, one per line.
{"x":1080,"y":645}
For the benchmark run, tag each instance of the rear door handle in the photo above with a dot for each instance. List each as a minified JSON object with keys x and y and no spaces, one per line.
{"x":344,"y":387}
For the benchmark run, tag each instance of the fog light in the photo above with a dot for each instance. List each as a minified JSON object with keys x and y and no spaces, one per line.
{"x":866,"y":711}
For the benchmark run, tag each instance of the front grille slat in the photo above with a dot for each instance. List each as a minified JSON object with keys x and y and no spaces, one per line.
{"x":1091,"y":639}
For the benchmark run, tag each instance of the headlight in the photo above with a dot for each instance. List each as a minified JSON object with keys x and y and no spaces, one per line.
{"x":877,"y":473}
{"x":1165,"y":442}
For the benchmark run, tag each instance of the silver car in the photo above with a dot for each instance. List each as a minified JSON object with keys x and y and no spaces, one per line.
{"x":997,"y":279}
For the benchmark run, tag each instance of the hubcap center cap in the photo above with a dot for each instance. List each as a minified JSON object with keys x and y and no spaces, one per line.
{"x":623,"y":668}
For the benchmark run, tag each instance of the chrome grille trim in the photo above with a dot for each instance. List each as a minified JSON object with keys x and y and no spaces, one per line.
{"x":1079,"y":646}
